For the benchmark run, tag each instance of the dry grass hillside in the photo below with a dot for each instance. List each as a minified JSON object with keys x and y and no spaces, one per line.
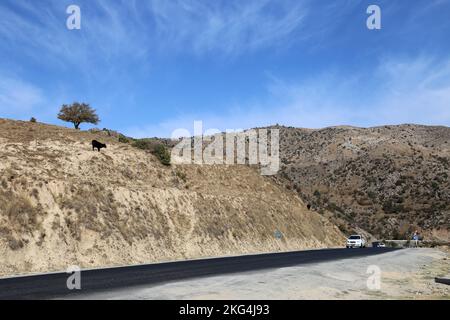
{"x":387,"y":180}
{"x":63,"y":204}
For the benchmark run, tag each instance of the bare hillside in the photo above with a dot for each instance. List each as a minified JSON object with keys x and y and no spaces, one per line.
{"x":63,"y":204}
{"x":388,"y":180}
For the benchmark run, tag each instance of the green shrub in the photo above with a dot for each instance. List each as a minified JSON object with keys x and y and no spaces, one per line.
{"x":390,"y":207}
{"x":181,"y":175}
{"x":33,"y":119}
{"x":163,"y":154}
{"x":372,"y":195}
{"x":123,"y":139}
{"x":156,"y":148}
{"x":143,"y":144}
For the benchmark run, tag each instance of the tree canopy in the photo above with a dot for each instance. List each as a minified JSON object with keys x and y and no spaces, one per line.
{"x":78,"y":113}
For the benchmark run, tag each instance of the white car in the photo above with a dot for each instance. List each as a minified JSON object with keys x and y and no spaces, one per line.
{"x":356,"y":241}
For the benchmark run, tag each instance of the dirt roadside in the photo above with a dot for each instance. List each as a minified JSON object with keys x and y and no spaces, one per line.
{"x":405,"y":274}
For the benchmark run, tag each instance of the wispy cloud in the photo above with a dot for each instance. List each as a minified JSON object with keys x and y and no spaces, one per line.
{"x":226,"y":27}
{"x":399,"y":91}
{"x":38,"y":32}
{"x":120,"y":39}
{"x":18,"y":97}
{"x":136,"y":29}
{"x":414,"y":90}
{"x":109,"y":61}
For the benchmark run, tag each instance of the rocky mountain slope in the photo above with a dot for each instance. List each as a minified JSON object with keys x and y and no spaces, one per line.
{"x":63,"y":204}
{"x":388,"y":181}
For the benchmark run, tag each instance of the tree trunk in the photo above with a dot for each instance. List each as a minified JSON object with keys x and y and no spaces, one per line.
{"x":77,"y":126}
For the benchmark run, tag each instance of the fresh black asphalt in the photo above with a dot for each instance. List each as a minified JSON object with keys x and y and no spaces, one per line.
{"x":53,"y":285}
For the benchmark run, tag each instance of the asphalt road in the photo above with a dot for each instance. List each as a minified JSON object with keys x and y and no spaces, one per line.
{"x":53,"y":285}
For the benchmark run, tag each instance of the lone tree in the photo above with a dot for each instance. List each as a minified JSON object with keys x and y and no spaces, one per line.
{"x":78,"y":113}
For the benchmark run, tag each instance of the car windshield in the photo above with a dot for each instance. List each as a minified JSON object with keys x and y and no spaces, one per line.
{"x":355,"y":237}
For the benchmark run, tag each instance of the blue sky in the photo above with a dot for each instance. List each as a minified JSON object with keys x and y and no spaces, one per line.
{"x":150,"y":67}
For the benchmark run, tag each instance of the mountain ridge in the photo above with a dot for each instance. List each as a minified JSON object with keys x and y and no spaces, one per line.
{"x":388,"y":180}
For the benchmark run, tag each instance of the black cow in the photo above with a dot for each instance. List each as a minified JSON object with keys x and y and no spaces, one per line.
{"x":98,"y":145}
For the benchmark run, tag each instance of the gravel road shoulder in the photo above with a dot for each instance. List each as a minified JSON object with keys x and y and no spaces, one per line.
{"x":405,"y":274}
